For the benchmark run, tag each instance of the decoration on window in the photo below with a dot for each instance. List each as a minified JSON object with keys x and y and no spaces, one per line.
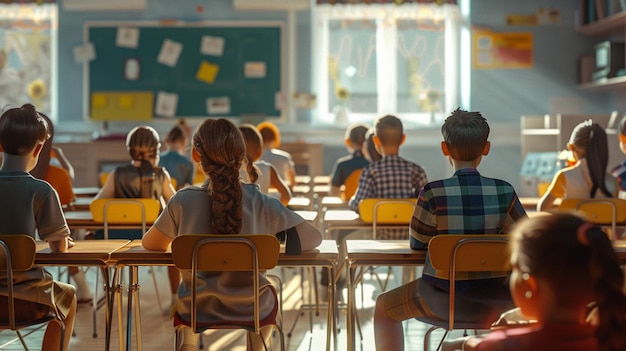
{"x":342,"y":94}
{"x":37,"y":89}
{"x":397,"y":2}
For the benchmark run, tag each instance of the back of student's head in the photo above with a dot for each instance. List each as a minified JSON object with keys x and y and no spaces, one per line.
{"x":465,"y":133}
{"x":254,"y":148}
{"x":577,"y":259}
{"x":270,"y":133}
{"x":176,"y":134}
{"x":21,"y":128}
{"x":143,"y":146}
{"x":389,"y":130}
{"x":591,"y":142}
{"x":221,"y":149}
{"x":356,"y":135}
{"x":370,"y":147}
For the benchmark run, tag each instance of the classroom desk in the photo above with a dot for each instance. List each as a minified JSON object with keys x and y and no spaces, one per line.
{"x":374,"y":253}
{"x":335,"y":220}
{"x":323,"y":179}
{"x":303,"y":180}
{"x":90,"y":191}
{"x":95,"y":253}
{"x":84,"y":220}
{"x":134,"y":255}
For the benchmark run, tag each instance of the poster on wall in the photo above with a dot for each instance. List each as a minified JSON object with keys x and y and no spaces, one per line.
{"x":492,"y":50}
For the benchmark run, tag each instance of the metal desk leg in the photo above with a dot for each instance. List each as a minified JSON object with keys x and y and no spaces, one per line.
{"x":350,"y":308}
{"x":137,"y":310}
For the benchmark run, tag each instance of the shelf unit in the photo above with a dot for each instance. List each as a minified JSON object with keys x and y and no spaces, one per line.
{"x":613,"y":25}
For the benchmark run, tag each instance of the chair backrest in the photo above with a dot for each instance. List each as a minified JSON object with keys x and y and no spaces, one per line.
{"x":124,"y":211}
{"x":601,"y":211}
{"x":17,"y":253}
{"x":387,"y":211}
{"x":60,"y":180}
{"x":351,"y":184}
{"x":468,"y":253}
{"x":236,"y":252}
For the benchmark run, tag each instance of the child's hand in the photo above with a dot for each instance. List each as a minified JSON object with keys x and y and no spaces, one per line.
{"x":70,"y":242}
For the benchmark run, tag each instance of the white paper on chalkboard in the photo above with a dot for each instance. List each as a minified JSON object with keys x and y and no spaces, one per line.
{"x":212,"y":45}
{"x":218,"y":105}
{"x":166,"y":104}
{"x":84,"y":53}
{"x":170,"y":52}
{"x":127,"y":37}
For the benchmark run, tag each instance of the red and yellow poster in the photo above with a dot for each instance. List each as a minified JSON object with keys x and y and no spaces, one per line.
{"x":493,"y":50}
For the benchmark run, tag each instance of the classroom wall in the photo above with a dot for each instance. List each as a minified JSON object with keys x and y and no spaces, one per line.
{"x":502,"y":95}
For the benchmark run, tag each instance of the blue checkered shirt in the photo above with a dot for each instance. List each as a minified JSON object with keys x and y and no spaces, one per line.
{"x":466,"y":203}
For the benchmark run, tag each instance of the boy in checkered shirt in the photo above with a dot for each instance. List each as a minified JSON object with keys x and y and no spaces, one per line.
{"x":466,"y":203}
{"x":392,"y":177}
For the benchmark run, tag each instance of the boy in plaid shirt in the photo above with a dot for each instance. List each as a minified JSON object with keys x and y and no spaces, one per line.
{"x":466,"y":203}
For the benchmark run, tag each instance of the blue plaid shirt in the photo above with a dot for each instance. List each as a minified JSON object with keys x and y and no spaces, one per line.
{"x":466,"y":203}
{"x":392,"y":178}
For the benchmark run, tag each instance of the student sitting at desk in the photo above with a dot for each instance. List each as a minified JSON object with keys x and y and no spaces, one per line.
{"x":267,"y":175}
{"x":30,"y":206}
{"x":588,"y":177}
{"x":557,"y":290}
{"x":392,"y":177}
{"x":225,"y":205}
{"x":466,"y":203}
{"x":278,"y":158}
{"x":141,"y":178}
{"x":619,"y":171}
{"x":344,"y":166}
{"x":174,"y":160}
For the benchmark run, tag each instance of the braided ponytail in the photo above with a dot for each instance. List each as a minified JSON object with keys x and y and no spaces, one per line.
{"x":143,"y":145}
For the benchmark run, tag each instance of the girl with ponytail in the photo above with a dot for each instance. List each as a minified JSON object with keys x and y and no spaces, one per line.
{"x":588,"y":178}
{"x":141,"y":178}
{"x":563,"y":267}
{"x":225,"y":205}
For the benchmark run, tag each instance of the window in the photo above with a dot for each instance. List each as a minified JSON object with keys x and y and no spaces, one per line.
{"x":371,"y":60}
{"x":26,"y":55}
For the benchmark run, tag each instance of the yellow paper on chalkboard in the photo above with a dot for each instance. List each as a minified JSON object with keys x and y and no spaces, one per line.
{"x":207,"y":72}
{"x":98,"y":100}
{"x":125,"y":101}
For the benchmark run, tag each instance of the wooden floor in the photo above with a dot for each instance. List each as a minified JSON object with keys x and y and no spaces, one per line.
{"x":158,"y":334}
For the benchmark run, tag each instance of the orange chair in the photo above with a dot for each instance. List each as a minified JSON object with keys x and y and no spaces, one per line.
{"x":60,"y":180}
{"x":351,"y":184}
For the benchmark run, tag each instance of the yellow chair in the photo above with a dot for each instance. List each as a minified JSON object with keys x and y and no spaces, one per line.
{"x":599,"y":211}
{"x":17,"y":253}
{"x":226,"y":253}
{"x":125,"y":212}
{"x":351,"y":184}
{"x":60,"y":180}
{"x":451,"y":255}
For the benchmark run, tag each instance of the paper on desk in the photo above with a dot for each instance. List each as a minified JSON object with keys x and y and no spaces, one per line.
{"x":127,"y":37}
{"x":212,"y":45}
{"x":218,"y":105}
{"x":166,"y":104}
{"x":170,"y":52}
{"x":84,"y":53}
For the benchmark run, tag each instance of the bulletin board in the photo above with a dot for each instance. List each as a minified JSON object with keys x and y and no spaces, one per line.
{"x":141,"y":70}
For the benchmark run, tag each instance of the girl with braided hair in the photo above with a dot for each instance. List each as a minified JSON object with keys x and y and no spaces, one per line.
{"x":225,"y":205}
{"x":562,"y":267}
{"x":587,"y":178}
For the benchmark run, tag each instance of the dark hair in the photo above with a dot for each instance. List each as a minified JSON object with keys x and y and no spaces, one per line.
{"x":465,"y":134}
{"x":222,"y":149}
{"x":590,"y":139}
{"x":585,"y":270}
{"x":371,"y":147}
{"x":41,"y":168}
{"x":143,"y":145}
{"x":254,"y":149}
{"x":389,"y":130}
{"x":177,"y":133}
{"x":21,"y":128}
{"x":356,"y":134}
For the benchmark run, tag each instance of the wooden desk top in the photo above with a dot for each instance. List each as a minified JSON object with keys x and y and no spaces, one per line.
{"x":308,"y":216}
{"x":303,"y":179}
{"x":84,"y":252}
{"x":383,"y":252}
{"x":299,"y":202}
{"x":134,"y":254}
{"x":334,"y":202}
{"x":324,"y":179}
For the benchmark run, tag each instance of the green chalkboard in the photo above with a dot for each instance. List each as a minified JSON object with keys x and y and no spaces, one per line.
{"x":249,"y":66}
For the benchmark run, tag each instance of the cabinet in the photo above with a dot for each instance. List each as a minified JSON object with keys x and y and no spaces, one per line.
{"x":613,"y":26}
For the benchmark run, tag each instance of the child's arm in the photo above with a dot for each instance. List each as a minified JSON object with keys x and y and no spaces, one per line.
{"x":168,"y":189}
{"x":556,"y":190}
{"x":61,"y":245}
{"x":108,"y":189}
{"x":155,"y":240}
{"x":310,"y":237}
{"x":65,"y":163}
{"x":277,"y":183}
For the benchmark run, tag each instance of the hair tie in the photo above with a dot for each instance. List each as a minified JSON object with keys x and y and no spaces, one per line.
{"x":581,"y":233}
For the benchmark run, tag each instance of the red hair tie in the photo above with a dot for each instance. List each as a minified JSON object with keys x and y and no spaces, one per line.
{"x":581,"y":233}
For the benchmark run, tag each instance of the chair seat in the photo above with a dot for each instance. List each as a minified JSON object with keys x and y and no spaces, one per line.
{"x":226,"y":324}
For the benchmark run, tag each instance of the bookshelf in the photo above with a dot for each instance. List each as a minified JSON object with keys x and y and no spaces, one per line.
{"x":603,"y":26}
